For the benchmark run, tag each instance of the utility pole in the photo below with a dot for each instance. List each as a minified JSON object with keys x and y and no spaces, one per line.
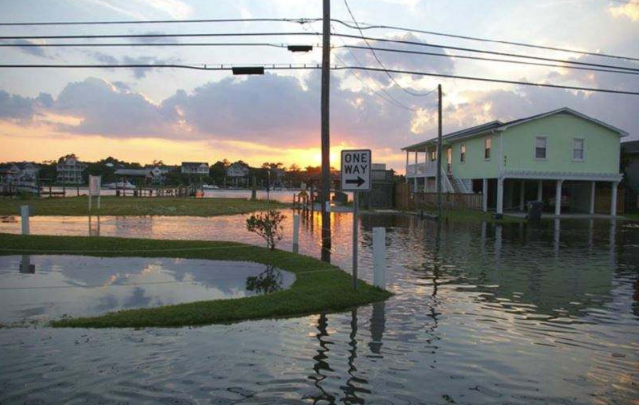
{"x":439,"y":159}
{"x":325,"y":180}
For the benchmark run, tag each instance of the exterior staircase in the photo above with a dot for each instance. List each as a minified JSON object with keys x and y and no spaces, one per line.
{"x":457,"y":185}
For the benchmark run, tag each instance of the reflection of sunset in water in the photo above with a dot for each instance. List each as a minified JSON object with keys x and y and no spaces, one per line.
{"x":485,"y":313}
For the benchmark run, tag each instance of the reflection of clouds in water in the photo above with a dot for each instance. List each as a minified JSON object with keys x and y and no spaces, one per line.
{"x":84,"y":285}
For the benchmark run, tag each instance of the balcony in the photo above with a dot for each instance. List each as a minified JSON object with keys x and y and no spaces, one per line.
{"x":427,"y":169}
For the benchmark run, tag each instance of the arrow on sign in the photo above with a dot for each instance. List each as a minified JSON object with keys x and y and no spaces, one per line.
{"x":359,"y":181}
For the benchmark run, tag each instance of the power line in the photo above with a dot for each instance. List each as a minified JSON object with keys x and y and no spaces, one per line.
{"x":488,"y":59}
{"x":145,"y":44}
{"x":248,"y":34}
{"x":470,"y":38}
{"x":379,"y":61}
{"x":156,"y":35}
{"x":424,"y":44}
{"x":387,"y":96}
{"x":216,"y":67}
{"x":362,"y":25}
{"x":484,"y":79}
{"x":130,"y":22}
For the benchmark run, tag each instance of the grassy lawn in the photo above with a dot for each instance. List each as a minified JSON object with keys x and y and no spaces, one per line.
{"x":632,"y":217}
{"x":122,"y":206}
{"x":319,"y":287}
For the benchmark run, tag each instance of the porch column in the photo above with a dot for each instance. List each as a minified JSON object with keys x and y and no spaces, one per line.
{"x":592,"y":196}
{"x":613,"y":199}
{"x":522,"y":199}
{"x":557,"y":205}
{"x":539,"y":193}
{"x":484,"y":195}
{"x":407,"y":166}
{"x":499,"y":195}
{"x":415,"y":184}
{"x":427,"y":160}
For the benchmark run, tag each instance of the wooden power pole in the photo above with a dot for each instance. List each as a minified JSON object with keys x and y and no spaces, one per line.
{"x":325,"y":173}
{"x":439,"y":158}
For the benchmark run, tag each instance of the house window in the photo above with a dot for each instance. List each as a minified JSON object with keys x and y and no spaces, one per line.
{"x":541,"y":148}
{"x":463,"y":150}
{"x":488,"y":148}
{"x":577,"y":152}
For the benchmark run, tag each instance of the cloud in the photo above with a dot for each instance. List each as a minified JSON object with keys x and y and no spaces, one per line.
{"x":115,"y":111}
{"x":138,"y":72}
{"x":15,"y":107}
{"x":398,"y":61}
{"x":629,"y":10}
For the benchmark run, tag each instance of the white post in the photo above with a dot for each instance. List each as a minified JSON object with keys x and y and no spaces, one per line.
{"x":592,"y":196}
{"x":613,"y":199}
{"x":407,"y":166}
{"x":499,"y":196}
{"x":484,"y":195}
{"x":416,"y":184}
{"x":379,"y":257}
{"x":557,"y":205}
{"x":24,"y":214}
{"x":522,"y":199}
{"x":539,"y":193}
{"x":296,"y":229}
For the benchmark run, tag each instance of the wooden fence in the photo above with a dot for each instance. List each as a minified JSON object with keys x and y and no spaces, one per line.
{"x":408,"y":200}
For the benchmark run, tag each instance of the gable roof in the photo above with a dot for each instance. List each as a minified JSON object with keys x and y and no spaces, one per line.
{"x":502,"y":126}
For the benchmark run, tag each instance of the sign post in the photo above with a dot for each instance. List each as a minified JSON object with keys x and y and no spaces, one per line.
{"x":356,"y":176}
{"x":94,"y":189}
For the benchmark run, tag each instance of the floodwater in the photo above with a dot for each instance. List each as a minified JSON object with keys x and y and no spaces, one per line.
{"x":36,"y":288}
{"x":483,"y":314}
{"x":284,"y":196}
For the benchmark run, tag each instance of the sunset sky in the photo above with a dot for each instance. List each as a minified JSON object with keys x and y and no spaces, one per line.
{"x":181,"y":115}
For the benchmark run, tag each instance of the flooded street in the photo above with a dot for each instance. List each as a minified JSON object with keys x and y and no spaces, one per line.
{"x":483,"y":314}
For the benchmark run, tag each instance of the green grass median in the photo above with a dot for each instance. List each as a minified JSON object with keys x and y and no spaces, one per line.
{"x":319,"y":286}
{"x":135,"y":206}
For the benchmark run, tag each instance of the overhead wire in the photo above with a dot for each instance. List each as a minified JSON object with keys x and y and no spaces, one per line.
{"x":297,"y":33}
{"x":308,"y":67}
{"x":410,"y":92}
{"x":302,"y":20}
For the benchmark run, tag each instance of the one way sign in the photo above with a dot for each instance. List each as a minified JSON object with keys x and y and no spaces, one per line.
{"x":356,"y":170}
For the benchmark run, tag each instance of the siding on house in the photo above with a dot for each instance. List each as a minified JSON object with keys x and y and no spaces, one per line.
{"x":476,"y":166}
{"x":601,"y":146}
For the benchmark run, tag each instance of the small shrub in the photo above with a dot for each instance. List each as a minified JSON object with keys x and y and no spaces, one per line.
{"x":268,"y":226}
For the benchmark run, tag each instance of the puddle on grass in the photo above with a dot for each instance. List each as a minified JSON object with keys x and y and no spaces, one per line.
{"x":35,"y":288}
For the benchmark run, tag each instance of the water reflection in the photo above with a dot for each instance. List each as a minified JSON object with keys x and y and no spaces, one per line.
{"x":82,"y":285}
{"x":25,"y":265}
{"x":483,"y":313}
{"x":268,"y":281}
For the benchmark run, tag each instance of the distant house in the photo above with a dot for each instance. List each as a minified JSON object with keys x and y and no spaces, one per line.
{"x":199,"y":168}
{"x":70,"y":171}
{"x":136,"y":176}
{"x":238,"y":173}
{"x":630,"y":154}
{"x":20,"y":177}
{"x":566,"y":159}
{"x":237,"y":170}
{"x":159,"y":171}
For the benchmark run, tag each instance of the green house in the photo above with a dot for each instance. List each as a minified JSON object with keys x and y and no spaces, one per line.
{"x":564,"y":158}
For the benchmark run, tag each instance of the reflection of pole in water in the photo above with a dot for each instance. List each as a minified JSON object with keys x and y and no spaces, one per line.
{"x":350,"y":389}
{"x":94,"y":229}
{"x":590,"y":234}
{"x":320,"y":361}
{"x":613,"y":241}
{"x":498,"y":243}
{"x":25,"y":265}
{"x":377,"y":327}
{"x":557,"y":235}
